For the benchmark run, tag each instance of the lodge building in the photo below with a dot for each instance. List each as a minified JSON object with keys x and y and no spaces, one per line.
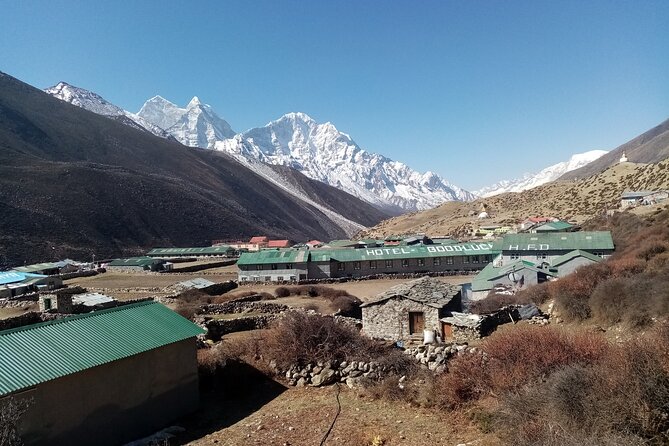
{"x":307,"y":264}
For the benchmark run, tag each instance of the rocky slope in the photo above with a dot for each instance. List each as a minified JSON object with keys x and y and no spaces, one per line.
{"x":577,"y":200}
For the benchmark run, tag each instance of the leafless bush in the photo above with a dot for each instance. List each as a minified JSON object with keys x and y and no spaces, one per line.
{"x":299,"y":338}
{"x":282,"y":291}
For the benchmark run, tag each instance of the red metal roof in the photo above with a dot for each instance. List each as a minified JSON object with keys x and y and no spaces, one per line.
{"x":258,"y":239}
{"x":278,"y":244}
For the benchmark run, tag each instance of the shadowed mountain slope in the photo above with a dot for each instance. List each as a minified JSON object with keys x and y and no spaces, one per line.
{"x":73,"y":183}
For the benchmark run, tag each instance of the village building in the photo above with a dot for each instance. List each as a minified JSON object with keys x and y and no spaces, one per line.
{"x":520,"y":274}
{"x":553,"y":226}
{"x":531,"y":222}
{"x":15,"y":283}
{"x":93,"y":301}
{"x":645,"y":197}
{"x":288,"y":265}
{"x":281,"y":265}
{"x":517,"y":275}
{"x":405,"y":310}
{"x":545,"y":247}
{"x":260,"y":240}
{"x":273,"y":244}
{"x":314,"y":244}
{"x":137,"y":264}
{"x":104,"y":378}
{"x":224,"y":251}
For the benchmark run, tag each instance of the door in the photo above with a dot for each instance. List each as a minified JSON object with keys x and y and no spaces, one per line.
{"x":416,"y":322}
{"x":446,"y":331}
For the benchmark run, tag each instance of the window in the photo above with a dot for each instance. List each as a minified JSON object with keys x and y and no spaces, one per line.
{"x":436,"y":261}
{"x":372,"y":264}
{"x":465,"y":259}
{"x":268,"y":278}
{"x":599,"y":254}
{"x":475,"y":259}
{"x":244,"y":278}
{"x":289,"y":266}
{"x":449,"y":260}
{"x":514,"y":256}
{"x":541,"y":256}
{"x":259,"y":267}
{"x":274,"y":266}
{"x":279,"y":279}
{"x":389,"y":263}
{"x":340,"y":266}
{"x":356,"y":265}
{"x":421,"y":262}
{"x":405,"y":263}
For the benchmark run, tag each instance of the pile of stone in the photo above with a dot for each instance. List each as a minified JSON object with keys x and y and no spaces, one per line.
{"x":434,"y":357}
{"x":539,"y":320}
{"x":324,"y":373}
{"x":236,"y":307}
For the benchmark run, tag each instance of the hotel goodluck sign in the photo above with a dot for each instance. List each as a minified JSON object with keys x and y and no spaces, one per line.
{"x":464,"y":248}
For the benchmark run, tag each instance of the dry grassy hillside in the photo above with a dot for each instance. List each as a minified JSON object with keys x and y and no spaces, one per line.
{"x":576,"y":200}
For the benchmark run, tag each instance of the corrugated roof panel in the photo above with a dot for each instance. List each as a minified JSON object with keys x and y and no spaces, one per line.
{"x":556,"y":241}
{"x":41,"y":352}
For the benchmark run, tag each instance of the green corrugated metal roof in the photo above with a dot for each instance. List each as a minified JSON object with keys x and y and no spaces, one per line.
{"x":484,"y":280}
{"x":554,"y":226}
{"x":273,"y":256}
{"x":36,"y":267}
{"x":134,"y":261}
{"x":401,"y":252}
{"x":33,"y":354}
{"x":559,"y":240}
{"x":572,"y":255}
{"x":190,"y":251}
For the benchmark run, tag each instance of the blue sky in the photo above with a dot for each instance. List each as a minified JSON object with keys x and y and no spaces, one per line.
{"x":476,"y":91}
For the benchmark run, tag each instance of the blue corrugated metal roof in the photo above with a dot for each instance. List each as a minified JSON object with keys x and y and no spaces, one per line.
{"x":15,"y":276}
{"x":33,"y":354}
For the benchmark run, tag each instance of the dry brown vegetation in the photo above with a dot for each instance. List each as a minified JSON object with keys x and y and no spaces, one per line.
{"x":571,"y":200}
{"x":345,"y":303}
{"x":552,"y":387}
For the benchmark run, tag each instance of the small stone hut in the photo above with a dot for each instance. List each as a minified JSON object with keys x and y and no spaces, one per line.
{"x":405,"y":310}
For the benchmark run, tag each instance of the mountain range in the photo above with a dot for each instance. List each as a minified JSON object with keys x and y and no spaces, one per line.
{"x":73,"y":182}
{"x":318,"y":150}
{"x":550,"y":173}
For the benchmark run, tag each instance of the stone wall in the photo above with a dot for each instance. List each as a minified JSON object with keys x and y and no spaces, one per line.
{"x":390,"y":319}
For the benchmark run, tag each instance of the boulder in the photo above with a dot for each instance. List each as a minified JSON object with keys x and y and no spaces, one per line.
{"x":325,"y":377}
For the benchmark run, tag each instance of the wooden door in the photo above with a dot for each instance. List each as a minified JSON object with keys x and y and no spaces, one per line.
{"x":446,"y":331}
{"x":416,"y":322}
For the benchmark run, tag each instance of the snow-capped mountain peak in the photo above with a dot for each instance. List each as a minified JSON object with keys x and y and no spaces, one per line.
{"x":197,"y":125}
{"x":323,"y":153}
{"x":550,"y":173}
{"x":97,"y":104}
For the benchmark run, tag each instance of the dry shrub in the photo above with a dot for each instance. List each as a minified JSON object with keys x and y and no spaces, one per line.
{"x":626,"y":266}
{"x":571,"y":293}
{"x":211,"y":360}
{"x":282,"y":291}
{"x":299,"y":339}
{"x":495,"y":301}
{"x":623,"y":398}
{"x":513,"y":358}
{"x":634,"y":301}
{"x":466,"y":381}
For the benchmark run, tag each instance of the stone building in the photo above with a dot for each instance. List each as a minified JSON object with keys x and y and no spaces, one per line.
{"x":405,"y":310}
{"x":104,"y":378}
